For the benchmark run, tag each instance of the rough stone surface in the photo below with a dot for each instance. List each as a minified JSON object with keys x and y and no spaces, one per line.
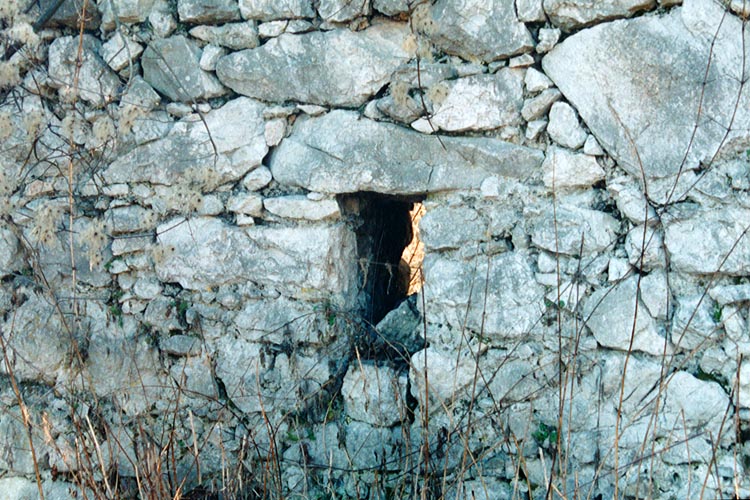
{"x":391,"y":7}
{"x":300,"y":207}
{"x":464,"y":294}
{"x":374,"y":394}
{"x":36,"y":336}
{"x":597,"y":230}
{"x":127,"y":11}
{"x":564,"y":169}
{"x":337,"y":68}
{"x":482,"y":102}
{"x":172,"y":66}
{"x":10,"y":252}
{"x":339,"y":11}
{"x":94,"y":82}
{"x":343,"y":153}
{"x":119,"y":51}
{"x":484,"y":30}
{"x":573,"y":14}
{"x":267,"y":10}
{"x":234,"y":36}
{"x":535,"y":108}
{"x":655,"y":109}
{"x":701,"y":243}
{"x":207,"y":11}
{"x":307,"y":262}
{"x":610,"y":314}
{"x":563,"y":127}
{"x":233,"y":149}
{"x":530,"y":11}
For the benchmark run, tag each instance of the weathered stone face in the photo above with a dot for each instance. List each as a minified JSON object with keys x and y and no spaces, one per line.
{"x":204,"y":209}
{"x":634,"y":84}
{"x":336,"y":68}
{"x":344,"y":153}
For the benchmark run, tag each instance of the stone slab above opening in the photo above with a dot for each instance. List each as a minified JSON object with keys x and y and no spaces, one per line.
{"x":341,"y":152}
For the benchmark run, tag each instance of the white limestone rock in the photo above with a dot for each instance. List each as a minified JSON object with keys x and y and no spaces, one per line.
{"x":211,"y":54}
{"x":11,"y":258}
{"x":591,"y":147}
{"x":611,"y":312}
{"x":458,"y":290}
{"x":300,"y":207}
{"x":438,"y":229}
{"x":601,"y":72}
{"x":268,"y":10}
{"x":700,"y":243}
{"x":374,"y":394}
{"x":339,"y":11}
{"x":598,"y":230}
{"x":530,"y":11}
{"x":274,"y":131}
{"x":127,"y":12}
{"x":690,"y":403}
{"x":656,"y":295}
{"x":305,"y":262}
{"x":536,"y":107}
{"x":391,"y":7}
{"x":548,"y":38}
{"x":652,"y":255}
{"x":207,"y":11}
{"x":730,"y":294}
{"x":246,"y":204}
{"x":94,"y":82}
{"x":536,"y":81}
{"x":348,"y":67}
{"x":172,"y":66}
{"x":257,"y":179}
{"x":485,"y":30}
{"x":120,"y":50}
{"x":129,"y":219}
{"x":36,"y":341}
{"x":162,"y":23}
{"x":694,"y":325}
{"x":482,"y":102}
{"x":233,"y":36}
{"x":563,"y":127}
{"x":341,"y":152}
{"x":630,"y":200}
{"x":236,"y":131}
{"x":574,"y":14}
{"x":534,"y":128}
{"x":443,"y":374}
{"x":564,"y":169}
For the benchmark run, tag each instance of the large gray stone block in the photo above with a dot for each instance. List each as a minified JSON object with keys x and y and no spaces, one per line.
{"x":337,"y":68}
{"x":342,"y":152}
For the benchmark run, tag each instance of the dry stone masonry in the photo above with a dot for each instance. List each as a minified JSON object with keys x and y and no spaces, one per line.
{"x":204,"y":206}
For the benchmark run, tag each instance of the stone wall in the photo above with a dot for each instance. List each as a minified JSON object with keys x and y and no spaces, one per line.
{"x":203,"y":205}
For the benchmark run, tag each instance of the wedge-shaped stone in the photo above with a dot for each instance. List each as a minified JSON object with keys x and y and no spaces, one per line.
{"x":234,"y":146}
{"x":337,"y":68}
{"x":341,"y":152}
{"x":638,"y":85}
{"x":478,"y":29}
{"x":172,"y":66}
{"x":573,"y":14}
{"x":613,"y":317}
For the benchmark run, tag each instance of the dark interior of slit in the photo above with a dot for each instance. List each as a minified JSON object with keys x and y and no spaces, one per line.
{"x":385,"y":229}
